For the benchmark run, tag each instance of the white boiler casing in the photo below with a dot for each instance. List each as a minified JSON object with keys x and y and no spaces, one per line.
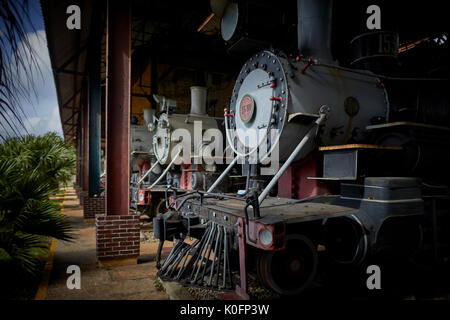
{"x":273,"y":93}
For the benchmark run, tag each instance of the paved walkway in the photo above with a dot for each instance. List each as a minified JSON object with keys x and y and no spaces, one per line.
{"x":137,"y":282}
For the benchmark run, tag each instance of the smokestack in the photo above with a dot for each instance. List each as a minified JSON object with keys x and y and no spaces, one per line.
{"x":314,"y":28}
{"x":198,"y":100}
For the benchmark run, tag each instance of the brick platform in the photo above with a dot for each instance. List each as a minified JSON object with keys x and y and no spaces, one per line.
{"x":117,"y":237}
{"x":77,"y":190}
{"x":81,"y":195}
{"x":93,"y":206}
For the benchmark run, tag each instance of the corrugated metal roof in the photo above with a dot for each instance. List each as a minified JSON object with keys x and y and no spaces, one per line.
{"x":67,"y":49}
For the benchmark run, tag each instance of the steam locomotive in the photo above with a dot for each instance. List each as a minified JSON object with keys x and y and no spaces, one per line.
{"x":362,"y":171}
{"x":156,"y":161}
{"x":142,"y":173}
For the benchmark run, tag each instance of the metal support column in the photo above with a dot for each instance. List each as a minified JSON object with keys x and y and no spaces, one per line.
{"x":118,"y":107}
{"x":79,"y":180}
{"x":95,"y":113}
{"x":85,"y":137}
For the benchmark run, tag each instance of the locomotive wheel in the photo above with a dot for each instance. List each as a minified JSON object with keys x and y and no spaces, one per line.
{"x":161,"y":207}
{"x":345,"y":241}
{"x":290,"y":271}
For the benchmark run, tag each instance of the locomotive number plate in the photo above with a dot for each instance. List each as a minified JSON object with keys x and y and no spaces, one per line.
{"x":247,"y":108}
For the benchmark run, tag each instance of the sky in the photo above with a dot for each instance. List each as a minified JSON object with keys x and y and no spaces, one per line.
{"x":42,"y":113}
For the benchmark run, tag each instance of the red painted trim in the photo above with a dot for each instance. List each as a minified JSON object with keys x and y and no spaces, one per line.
{"x":205,"y":22}
{"x":294,"y":183}
{"x":280,"y":99}
{"x":279,"y":239}
{"x":307,"y":66}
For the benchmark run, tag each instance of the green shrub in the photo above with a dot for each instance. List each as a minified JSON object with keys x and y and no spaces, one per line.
{"x":31,"y":169}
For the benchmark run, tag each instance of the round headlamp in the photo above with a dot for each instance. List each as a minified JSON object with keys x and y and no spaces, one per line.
{"x":265,"y":236}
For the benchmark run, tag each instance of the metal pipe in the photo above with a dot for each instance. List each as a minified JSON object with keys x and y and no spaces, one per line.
{"x":225,"y":255}
{"x":199,"y":251}
{"x":204,"y":250}
{"x":291,"y":158}
{"x":224,"y":173}
{"x":214,"y":256}
{"x":182,"y":268}
{"x":175,"y":264}
{"x":210,"y":244}
{"x":147,"y":173}
{"x":165,"y":171}
{"x":216,"y":281}
{"x":172,"y":253}
{"x":229,"y":267}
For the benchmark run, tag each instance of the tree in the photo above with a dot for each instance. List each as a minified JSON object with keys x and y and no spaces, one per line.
{"x":31,"y":169}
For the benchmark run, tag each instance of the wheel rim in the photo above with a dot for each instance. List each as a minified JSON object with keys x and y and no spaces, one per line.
{"x":345,"y":241}
{"x":292,"y":270}
{"x":161,"y":207}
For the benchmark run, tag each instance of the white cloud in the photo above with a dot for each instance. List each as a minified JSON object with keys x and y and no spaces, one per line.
{"x":44,"y":123}
{"x":43,"y":112}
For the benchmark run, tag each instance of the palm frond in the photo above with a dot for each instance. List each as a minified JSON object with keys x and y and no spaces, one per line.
{"x":31,"y":169}
{"x":18,"y":64}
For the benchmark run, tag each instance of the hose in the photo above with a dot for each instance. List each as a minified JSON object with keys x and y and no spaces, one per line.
{"x":163,"y":174}
{"x":243,"y":155}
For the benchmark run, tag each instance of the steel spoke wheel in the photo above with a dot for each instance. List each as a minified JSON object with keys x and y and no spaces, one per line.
{"x":290,"y":271}
{"x":161,"y":207}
